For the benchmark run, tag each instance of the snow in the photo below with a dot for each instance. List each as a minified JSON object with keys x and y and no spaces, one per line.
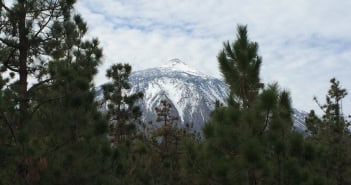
{"x":192,"y":93}
{"x":178,"y":65}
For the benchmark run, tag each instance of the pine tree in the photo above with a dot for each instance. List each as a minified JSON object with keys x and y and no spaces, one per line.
{"x":29,"y":36}
{"x":251,"y":141}
{"x":121,"y":109}
{"x":53,"y":129}
{"x":233,"y":149}
{"x":168,"y":132}
{"x":240,"y":66}
{"x":331,"y":136}
{"x":287,"y":154}
{"x":167,"y":145}
{"x":153,"y":158}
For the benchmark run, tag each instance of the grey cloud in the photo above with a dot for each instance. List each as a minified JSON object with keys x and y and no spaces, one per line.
{"x":303,"y":43}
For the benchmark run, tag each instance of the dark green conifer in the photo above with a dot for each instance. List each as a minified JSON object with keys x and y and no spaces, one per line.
{"x":252,"y":142}
{"x":240,"y":65}
{"x":167,"y":145}
{"x":53,"y":129}
{"x":331,"y":137}
{"x":122,"y":110}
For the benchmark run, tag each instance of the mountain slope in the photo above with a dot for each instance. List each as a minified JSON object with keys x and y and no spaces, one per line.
{"x":192,"y":93}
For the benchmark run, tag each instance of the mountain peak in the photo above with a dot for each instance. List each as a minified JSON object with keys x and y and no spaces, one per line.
{"x":176,"y":61}
{"x":178,"y":65}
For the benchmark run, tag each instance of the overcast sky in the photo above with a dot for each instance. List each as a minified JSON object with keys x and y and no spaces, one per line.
{"x":303,"y":43}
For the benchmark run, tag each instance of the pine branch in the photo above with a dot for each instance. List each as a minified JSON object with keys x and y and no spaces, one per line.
{"x":11,"y":68}
{"x":57,"y":147}
{"x":9,"y":43}
{"x":6,"y":63}
{"x":229,"y":50}
{"x":36,"y":108}
{"x":39,"y":84}
{"x":2,"y":5}
{"x":45,"y":9}
{"x":9,"y":126}
{"x":265,"y":122}
{"x":319,"y":105}
{"x":47,"y":22}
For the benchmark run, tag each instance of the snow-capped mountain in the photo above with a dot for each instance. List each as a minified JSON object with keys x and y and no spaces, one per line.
{"x":299,"y":120}
{"x":192,"y":93}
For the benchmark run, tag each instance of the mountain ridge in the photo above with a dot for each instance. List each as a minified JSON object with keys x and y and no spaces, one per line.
{"x":192,"y":93}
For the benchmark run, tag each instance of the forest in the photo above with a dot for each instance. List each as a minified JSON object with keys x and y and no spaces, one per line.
{"x":52,"y":130}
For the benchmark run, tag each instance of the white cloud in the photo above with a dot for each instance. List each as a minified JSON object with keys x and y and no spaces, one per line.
{"x":303,"y":43}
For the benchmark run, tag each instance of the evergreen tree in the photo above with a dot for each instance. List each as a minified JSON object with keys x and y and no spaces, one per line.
{"x":29,"y":37}
{"x":153,"y":158}
{"x":251,"y":141}
{"x":168,"y":133}
{"x":240,"y":65}
{"x":53,"y":129}
{"x":121,"y":109}
{"x":167,"y":146}
{"x":331,"y":136}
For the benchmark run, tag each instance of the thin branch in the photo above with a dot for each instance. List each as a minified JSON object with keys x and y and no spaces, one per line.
{"x":265,"y":122}
{"x":39,"y":84}
{"x":36,"y":108}
{"x":9,"y":125}
{"x":11,"y":68}
{"x":47,"y":22}
{"x":319,"y":105}
{"x":2,"y":5}
{"x":6,"y":63}
{"x":43,"y":26}
{"x":57,"y":147}
{"x":44,"y":9}
{"x":10,"y":44}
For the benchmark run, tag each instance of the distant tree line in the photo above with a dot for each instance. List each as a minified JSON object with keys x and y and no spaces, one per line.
{"x":52,"y":130}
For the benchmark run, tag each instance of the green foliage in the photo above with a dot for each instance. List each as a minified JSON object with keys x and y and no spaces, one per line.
{"x":121,"y":109}
{"x":331,"y":137}
{"x":251,"y":141}
{"x":51,"y":129}
{"x":240,"y":66}
{"x":153,"y":158}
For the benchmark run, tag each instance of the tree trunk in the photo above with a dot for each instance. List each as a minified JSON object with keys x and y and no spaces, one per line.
{"x":23,"y":71}
{"x":252,"y":177}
